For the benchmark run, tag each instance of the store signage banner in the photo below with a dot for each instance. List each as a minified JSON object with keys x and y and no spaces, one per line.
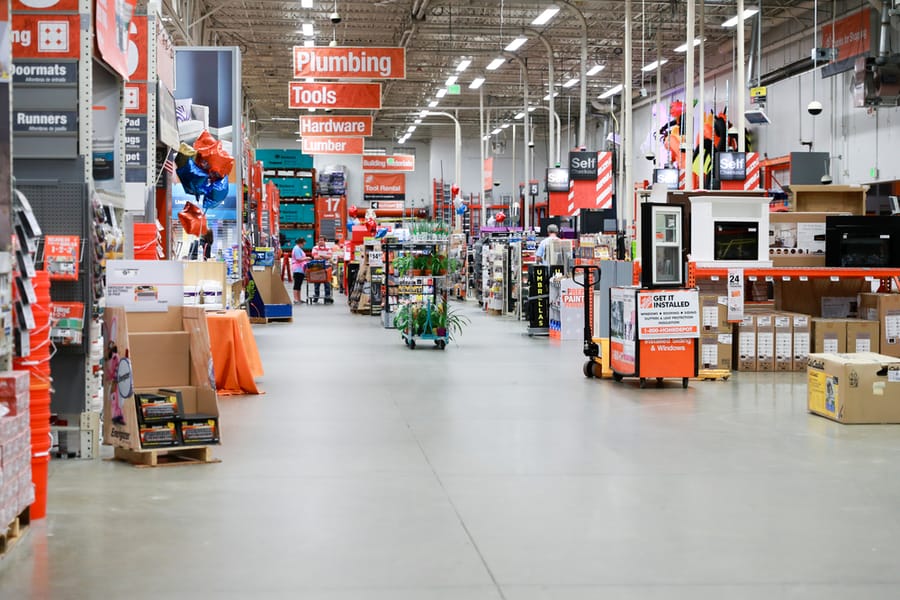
{"x":45,"y":121}
{"x":138,"y":48}
{"x":329,"y":126}
{"x":622,"y":331}
{"x":384,"y":186}
{"x":557,"y":180}
{"x":488,"y":174}
{"x":604,"y":185}
{"x":365,"y":96}
{"x":387,"y":205}
{"x":46,"y":36}
{"x":39,"y":72}
{"x":851,"y":35}
{"x":112,"y":19}
{"x":349,"y":63}
{"x":558,"y":204}
{"x":333,"y":145}
{"x":136,"y":98}
{"x":539,"y":292}
{"x":665,"y":314}
{"x":46,"y":5}
{"x":583,"y":166}
{"x":332,"y":208}
{"x":394,"y":163}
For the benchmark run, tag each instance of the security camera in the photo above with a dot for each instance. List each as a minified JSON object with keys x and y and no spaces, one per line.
{"x":650,"y":156}
{"x":335,"y":17}
{"x":814,"y":108}
{"x":826,"y":179}
{"x":531,"y":143}
{"x":496,"y":184}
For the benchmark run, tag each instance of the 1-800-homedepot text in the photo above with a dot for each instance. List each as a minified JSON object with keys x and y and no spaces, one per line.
{"x":334,"y":95}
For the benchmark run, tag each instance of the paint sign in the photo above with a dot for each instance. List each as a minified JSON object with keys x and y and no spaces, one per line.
{"x":334,"y":95}
{"x":349,"y":62}
{"x":393,"y":163}
{"x":333,"y":145}
{"x":331,"y":126}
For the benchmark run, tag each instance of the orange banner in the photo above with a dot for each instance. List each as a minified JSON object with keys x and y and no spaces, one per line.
{"x":46,"y":5}
{"x":488,"y":174}
{"x":395,"y":163}
{"x":384,"y":186}
{"x":111,"y":19}
{"x":46,"y":36}
{"x":333,"y":145}
{"x":852,"y":35}
{"x":329,"y":126}
{"x":138,"y":46}
{"x":349,"y":63}
{"x":334,"y":95}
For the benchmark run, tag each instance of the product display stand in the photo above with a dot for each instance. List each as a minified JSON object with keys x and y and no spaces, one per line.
{"x":420,"y":298}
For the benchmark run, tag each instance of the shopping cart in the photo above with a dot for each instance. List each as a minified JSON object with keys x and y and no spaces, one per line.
{"x":317,"y":271}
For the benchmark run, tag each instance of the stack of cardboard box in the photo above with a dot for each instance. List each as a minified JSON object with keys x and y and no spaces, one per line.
{"x":770,"y":340}
{"x":716,"y":333}
{"x":885,"y":309}
{"x":837,"y":336}
{"x":16,"y":488}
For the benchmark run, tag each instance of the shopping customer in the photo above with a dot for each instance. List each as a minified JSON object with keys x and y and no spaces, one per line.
{"x":298,"y":267}
{"x":322,"y":251}
{"x":541,"y":253}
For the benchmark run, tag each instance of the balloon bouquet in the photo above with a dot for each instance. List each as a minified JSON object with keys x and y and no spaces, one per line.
{"x":203,"y":172}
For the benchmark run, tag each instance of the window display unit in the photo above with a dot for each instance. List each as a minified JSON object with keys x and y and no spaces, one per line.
{"x":730,"y":231}
{"x":662,"y":239}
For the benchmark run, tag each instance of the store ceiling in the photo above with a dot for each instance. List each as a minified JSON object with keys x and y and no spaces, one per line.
{"x":439,"y":33}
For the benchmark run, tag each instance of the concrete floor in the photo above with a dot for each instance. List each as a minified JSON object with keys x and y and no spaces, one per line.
{"x":491,"y":470}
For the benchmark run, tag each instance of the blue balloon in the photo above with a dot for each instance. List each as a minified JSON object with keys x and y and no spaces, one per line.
{"x":215,"y":192}
{"x":461,"y":209}
{"x":193,"y":179}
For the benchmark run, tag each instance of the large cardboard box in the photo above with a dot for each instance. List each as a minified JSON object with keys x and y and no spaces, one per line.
{"x":884,"y":308}
{"x":800,"y":325}
{"x":765,"y":342}
{"x":784,"y":342}
{"x":268,"y":298}
{"x":797,"y":239}
{"x":716,"y":351}
{"x":829,"y":336}
{"x":746,"y":346}
{"x":854,"y":388}
{"x":714,"y":314}
{"x":152,"y":351}
{"x":863,"y":336}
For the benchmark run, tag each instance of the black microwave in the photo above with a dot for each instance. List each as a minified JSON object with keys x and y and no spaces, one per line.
{"x":862,"y":242}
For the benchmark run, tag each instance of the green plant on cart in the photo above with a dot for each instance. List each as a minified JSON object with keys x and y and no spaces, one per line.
{"x":421,"y":263}
{"x":403,"y":264}
{"x":401,"y":318}
{"x":439,"y":264}
{"x":448,"y":322}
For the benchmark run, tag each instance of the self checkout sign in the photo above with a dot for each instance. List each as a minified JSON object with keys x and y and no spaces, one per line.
{"x":583,"y":166}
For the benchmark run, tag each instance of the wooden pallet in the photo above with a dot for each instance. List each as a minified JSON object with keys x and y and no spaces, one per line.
{"x":713,"y":375}
{"x":167,"y":457}
{"x":15,"y":531}
{"x":494,"y":311}
{"x":267,"y":320}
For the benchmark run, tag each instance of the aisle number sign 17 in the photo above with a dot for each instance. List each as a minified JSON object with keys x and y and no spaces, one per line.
{"x":735,"y":295}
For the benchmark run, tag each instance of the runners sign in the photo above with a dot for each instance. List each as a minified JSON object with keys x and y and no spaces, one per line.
{"x":349,"y":63}
{"x":330,"y":126}
{"x":334,"y":95}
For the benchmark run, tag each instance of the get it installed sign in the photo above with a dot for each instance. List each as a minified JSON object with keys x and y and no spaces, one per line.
{"x":349,"y":63}
{"x":665,"y":314}
{"x":365,"y":96}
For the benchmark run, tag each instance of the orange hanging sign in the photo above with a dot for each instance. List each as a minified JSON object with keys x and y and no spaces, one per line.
{"x":394,"y":163}
{"x":349,"y":63}
{"x":334,"y":95}
{"x":329,"y":126}
{"x":333,"y":145}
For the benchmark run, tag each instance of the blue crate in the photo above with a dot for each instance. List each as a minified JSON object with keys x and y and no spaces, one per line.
{"x":288,"y":159}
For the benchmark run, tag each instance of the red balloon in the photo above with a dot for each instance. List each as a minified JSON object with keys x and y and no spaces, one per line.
{"x":454,"y":190}
{"x":500,"y":217}
{"x":371,"y":225}
{"x":352,"y":211}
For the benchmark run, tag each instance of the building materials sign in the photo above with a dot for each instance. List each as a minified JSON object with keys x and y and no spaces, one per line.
{"x":333,"y":145}
{"x":394,"y":163}
{"x":330,"y":126}
{"x":349,"y":63}
{"x":334,"y":95}
{"x":665,"y":314}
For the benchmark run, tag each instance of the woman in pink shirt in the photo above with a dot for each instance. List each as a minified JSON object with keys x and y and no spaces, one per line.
{"x":298,"y":267}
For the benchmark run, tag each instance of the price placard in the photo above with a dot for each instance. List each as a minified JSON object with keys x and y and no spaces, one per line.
{"x":735,"y":295}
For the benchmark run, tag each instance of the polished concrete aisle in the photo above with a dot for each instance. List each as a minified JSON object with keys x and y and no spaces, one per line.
{"x":492,"y":470}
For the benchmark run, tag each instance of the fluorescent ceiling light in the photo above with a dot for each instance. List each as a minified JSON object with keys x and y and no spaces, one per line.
{"x":496,"y":64}
{"x":519,"y":116}
{"x":312,"y":110}
{"x":418,"y":121}
{"x":531,"y":109}
{"x":555,"y":94}
{"x":653,"y":65}
{"x":496,"y":131}
{"x":423,"y":114}
{"x":544,"y":17}
{"x":611,"y":92}
{"x":309,"y":43}
{"x":441,"y":93}
{"x":504,"y":126}
{"x":683,"y":47}
{"x":450,"y":80}
{"x":308,"y":30}
{"x":516,"y":44}
{"x":570,"y":83}
{"x":433,"y":103}
{"x":306,"y":3}
{"x":476,"y":83}
{"x":411,"y":129}
{"x":463,"y":65}
{"x":748,"y":12}
{"x":595,"y":69}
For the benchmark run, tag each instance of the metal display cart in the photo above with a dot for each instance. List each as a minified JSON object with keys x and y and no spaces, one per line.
{"x":414,"y":293}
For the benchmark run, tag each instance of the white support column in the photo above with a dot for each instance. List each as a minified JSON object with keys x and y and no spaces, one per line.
{"x":626,"y":195}
{"x":740,"y":82}
{"x":687,"y":136}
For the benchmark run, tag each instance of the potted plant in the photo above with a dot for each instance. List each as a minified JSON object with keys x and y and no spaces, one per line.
{"x":439,"y":264}
{"x":420,"y":264}
{"x":403,"y":264}
{"x":401,"y":319}
{"x":448,"y":322}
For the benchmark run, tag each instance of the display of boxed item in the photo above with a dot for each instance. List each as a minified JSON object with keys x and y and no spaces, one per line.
{"x":800,"y":326}
{"x":829,"y":336}
{"x":746,"y":344}
{"x":848,"y":199}
{"x":268,"y":298}
{"x":797,"y":239}
{"x":714,"y":314}
{"x":199,"y":429}
{"x":839,"y":307}
{"x":863,"y":336}
{"x":716,"y":351}
{"x":854,"y":388}
{"x":153,"y":408}
{"x":162,"y":353}
{"x":784,"y":342}
{"x":765,"y":342}
{"x":205,"y":284}
{"x":884,"y":308}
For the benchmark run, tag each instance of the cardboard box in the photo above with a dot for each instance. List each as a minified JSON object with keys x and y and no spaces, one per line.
{"x":884,"y":308}
{"x":863,"y":336}
{"x":199,"y":429}
{"x":270,"y":298}
{"x":797,"y":239}
{"x":716,"y":351}
{"x":839,"y":307}
{"x":800,"y":325}
{"x":765,"y":342}
{"x":847,"y":199}
{"x":746,"y":346}
{"x":714,"y":314}
{"x":14,"y":383}
{"x":854,"y":388}
{"x":784,"y":342}
{"x":156,"y":407}
{"x":829,"y":336}
{"x":159,"y":435}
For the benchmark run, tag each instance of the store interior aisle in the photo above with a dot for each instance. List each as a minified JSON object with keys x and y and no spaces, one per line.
{"x":490,"y":470}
